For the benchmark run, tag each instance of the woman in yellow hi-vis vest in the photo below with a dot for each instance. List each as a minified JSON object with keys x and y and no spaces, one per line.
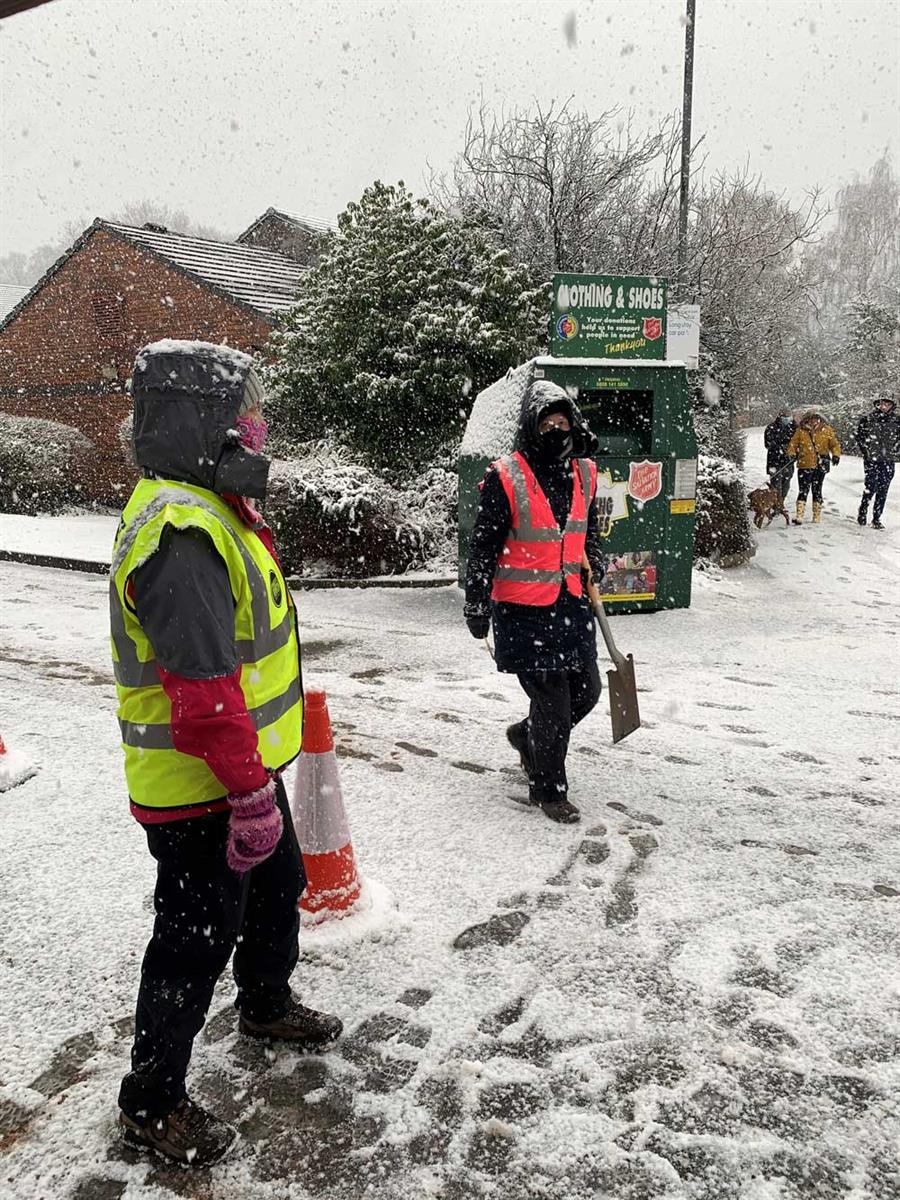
{"x":207,"y":664}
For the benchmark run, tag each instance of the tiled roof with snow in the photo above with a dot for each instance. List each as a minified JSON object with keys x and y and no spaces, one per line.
{"x":10,"y":295}
{"x":263,"y":279}
{"x":308,"y":222}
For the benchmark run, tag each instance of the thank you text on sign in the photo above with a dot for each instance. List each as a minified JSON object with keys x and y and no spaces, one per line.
{"x":608,"y":316}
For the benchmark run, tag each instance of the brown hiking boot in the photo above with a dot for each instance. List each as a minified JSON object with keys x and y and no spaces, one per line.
{"x":562,"y":811}
{"x":302,"y":1027}
{"x":189,"y":1134}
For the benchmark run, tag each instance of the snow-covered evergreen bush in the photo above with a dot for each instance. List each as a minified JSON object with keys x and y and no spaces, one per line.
{"x":722,"y":532}
{"x":39,"y":464}
{"x":332,"y":514}
{"x":407,"y":314}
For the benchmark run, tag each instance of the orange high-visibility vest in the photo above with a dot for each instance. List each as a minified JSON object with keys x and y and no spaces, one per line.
{"x":539,"y":557}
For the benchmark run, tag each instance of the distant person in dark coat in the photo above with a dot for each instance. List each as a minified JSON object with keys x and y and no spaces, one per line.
{"x":878,"y":436}
{"x":537,"y":516}
{"x":779,"y":467}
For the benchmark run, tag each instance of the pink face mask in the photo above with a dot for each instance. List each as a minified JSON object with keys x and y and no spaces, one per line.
{"x":253,"y":431}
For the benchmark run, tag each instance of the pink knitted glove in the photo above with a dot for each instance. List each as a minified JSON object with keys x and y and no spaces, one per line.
{"x":254,"y":828}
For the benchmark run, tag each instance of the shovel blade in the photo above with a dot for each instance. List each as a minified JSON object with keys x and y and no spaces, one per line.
{"x":623,"y":700}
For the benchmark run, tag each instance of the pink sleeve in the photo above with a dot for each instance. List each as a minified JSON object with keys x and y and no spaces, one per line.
{"x":210,"y":721}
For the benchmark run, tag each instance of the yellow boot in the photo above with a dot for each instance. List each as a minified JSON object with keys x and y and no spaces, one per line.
{"x":801,"y":509}
{"x":817,"y":511}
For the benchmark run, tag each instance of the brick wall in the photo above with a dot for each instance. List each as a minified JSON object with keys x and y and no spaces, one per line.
{"x":67,"y":355}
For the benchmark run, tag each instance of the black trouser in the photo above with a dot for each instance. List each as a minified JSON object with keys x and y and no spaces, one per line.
{"x":878,"y":481}
{"x":807,"y":479}
{"x":559,"y":700}
{"x":780,"y":478}
{"x":202,"y":907}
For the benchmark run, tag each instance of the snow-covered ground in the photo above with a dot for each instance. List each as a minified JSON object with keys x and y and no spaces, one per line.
{"x":699,"y":991}
{"x":86,"y":536}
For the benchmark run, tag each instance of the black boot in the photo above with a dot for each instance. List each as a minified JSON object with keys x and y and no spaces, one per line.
{"x":302,"y":1027}
{"x":189,"y":1134}
{"x":517,"y":736}
{"x":863,"y":511}
{"x":876,"y":524}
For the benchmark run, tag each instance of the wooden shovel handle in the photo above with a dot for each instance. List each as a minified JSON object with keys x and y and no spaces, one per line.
{"x":600,"y":614}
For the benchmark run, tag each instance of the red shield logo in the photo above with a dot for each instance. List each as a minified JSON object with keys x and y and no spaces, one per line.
{"x":644,"y":480}
{"x":652,"y":328}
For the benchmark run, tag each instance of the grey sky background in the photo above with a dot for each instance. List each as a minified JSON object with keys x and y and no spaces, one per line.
{"x":224,"y":107}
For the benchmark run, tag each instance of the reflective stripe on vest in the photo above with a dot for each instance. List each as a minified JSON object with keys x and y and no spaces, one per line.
{"x":159,"y":776}
{"x":538,"y":557}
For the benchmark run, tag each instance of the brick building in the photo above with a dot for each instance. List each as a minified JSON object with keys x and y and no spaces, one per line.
{"x":67,"y":348}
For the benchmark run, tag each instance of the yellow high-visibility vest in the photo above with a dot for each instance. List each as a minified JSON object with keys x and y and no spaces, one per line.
{"x":158,"y":775}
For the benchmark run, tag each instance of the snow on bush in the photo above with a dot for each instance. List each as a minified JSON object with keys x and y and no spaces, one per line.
{"x":332,"y":513}
{"x":125,"y":434}
{"x":38,"y":462}
{"x":722,"y":533}
{"x":407,"y":314}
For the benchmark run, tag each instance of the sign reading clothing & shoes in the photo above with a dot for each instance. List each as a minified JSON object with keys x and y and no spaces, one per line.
{"x":608,"y":316}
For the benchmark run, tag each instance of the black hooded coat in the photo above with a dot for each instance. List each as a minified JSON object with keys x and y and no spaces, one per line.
{"x":878,"y":436}
{"x":561,"y":636}
{"x":187,"y":397}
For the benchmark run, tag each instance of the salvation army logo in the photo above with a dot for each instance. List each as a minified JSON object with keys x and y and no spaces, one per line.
{"x":644,"y":480}
{"x":567,"y":327}
{"x":652,"y":328}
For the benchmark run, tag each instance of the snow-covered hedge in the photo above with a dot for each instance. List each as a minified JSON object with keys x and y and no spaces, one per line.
{"x":722,"y":534}
{"x":39,"y":464}
{"x":332,"y":514}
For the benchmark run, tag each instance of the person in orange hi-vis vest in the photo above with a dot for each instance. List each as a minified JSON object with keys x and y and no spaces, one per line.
{"x":537,"y":516}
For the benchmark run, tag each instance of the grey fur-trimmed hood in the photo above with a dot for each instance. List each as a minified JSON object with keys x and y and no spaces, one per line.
{"x":187,"y":397}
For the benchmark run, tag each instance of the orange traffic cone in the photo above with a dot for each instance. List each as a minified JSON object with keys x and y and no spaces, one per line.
{"x":332,"y":882}
{"x":13,"y":770}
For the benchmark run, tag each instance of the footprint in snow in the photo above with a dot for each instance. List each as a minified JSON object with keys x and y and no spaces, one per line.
{"x":801,"y":756}
{"x":419,"y":750}
{"x":764,"y":683}
{"x":677,"y":758}
{"x":647,"y":818}
{"x":415,"y":997}
{"x":475,"y":768}
{"x":786,"y":847}
{"x":726,"y":707}
{"x":498,"y":930}
{"x":622,"y":907}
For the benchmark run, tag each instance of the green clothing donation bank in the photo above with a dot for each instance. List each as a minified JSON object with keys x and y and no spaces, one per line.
{"x":640,"y":410}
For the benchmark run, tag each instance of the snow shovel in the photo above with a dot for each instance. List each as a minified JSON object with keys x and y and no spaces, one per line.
{"x":623,"y":701}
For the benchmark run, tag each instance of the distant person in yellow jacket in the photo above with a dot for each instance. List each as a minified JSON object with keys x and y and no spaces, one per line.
{"x":816,"y":450}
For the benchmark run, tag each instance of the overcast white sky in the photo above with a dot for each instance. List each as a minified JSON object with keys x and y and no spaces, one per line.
{"x":224,"y":107}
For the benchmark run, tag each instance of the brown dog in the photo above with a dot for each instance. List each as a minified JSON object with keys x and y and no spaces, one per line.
{"x":766,"y":502}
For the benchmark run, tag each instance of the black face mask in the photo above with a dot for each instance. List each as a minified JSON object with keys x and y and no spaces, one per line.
{"x":555,"y":443}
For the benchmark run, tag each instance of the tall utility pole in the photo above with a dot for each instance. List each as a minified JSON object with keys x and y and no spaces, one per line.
{"x":686,"y":137}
